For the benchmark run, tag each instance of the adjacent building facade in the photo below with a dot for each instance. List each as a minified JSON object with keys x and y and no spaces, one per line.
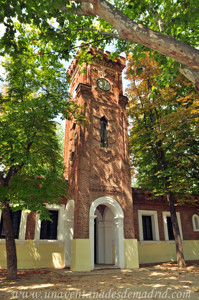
{"x":104,"y":221}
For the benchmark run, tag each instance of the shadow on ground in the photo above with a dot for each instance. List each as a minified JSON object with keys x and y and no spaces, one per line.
{"x":163,"y":281}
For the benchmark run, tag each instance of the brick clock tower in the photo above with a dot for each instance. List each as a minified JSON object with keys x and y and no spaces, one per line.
{"x":100,"y":226}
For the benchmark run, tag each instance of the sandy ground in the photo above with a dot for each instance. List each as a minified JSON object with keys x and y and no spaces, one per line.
{"x":164,"y":281}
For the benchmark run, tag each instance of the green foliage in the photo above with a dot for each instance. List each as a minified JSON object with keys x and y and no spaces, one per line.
{"x":60,"y":29}
{"x":34,"y":65}
{"x":64,"y":29}
{"x":178,"y":19}
{"x":31,"y":166}
{"x":60,"y":137}
{"x":164,"y":142}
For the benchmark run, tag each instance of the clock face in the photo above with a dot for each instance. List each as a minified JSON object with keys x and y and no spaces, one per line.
{"x":103,"y":84}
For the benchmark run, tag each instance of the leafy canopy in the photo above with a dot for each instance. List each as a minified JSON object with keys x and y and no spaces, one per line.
{"x":62,"y":23}
{"x":164,"y":142}
{"x":36,"y":91}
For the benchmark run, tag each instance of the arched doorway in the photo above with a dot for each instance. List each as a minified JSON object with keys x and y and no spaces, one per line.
{"x":104,"y":236}
{"x":107,"y":238}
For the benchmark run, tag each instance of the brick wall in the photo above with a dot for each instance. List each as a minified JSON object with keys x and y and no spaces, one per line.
{"x":94,"y":171}
{"x":143,"y":200}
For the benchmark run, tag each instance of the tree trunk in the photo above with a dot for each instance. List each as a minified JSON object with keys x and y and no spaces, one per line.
{"x":163,"y":166}
{"x":176,"y":232}
{"x":10,"y":242}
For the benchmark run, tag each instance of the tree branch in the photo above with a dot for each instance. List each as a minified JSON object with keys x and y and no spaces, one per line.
{"x":191,"y":75}
{"x":129,"y":30}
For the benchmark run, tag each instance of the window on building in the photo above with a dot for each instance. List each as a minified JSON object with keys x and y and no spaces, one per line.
{"x":103,"y":132}
{"x":195,"y":222}
{"x":170,"y":229}
{"x":147,"y":228}
{"x":16,"y":219}
{"x":48,"y":228}
{"x":51,"y":231}
{"x":148,"y":225}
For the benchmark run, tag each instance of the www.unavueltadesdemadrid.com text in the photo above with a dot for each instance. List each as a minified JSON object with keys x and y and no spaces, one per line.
{"x":111,"y":294}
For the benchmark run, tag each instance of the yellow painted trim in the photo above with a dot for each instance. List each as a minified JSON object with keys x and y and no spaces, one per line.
{"x":131,"y":259}
{"x":3,"y":264}
{"x":191,"y":250}
{"x":80,"y":255}
{"x":45,"y":255}
{"x":51,"y":255}
{"x":154,"y":252}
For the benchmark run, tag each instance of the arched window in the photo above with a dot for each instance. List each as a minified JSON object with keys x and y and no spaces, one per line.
{"x":195,"y":222}
{"x":103,"y":132}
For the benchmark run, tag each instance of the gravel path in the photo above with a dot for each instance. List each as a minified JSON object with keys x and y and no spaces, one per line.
{"x":164,"y":281}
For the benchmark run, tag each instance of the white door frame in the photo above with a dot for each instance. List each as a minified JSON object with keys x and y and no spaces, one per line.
{"x":118,"y":227}
{"x":69,"y":225}
{"x":99,"y":237}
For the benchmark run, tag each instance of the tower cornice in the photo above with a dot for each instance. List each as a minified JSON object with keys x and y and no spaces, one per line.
{"x":99,"y":57}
